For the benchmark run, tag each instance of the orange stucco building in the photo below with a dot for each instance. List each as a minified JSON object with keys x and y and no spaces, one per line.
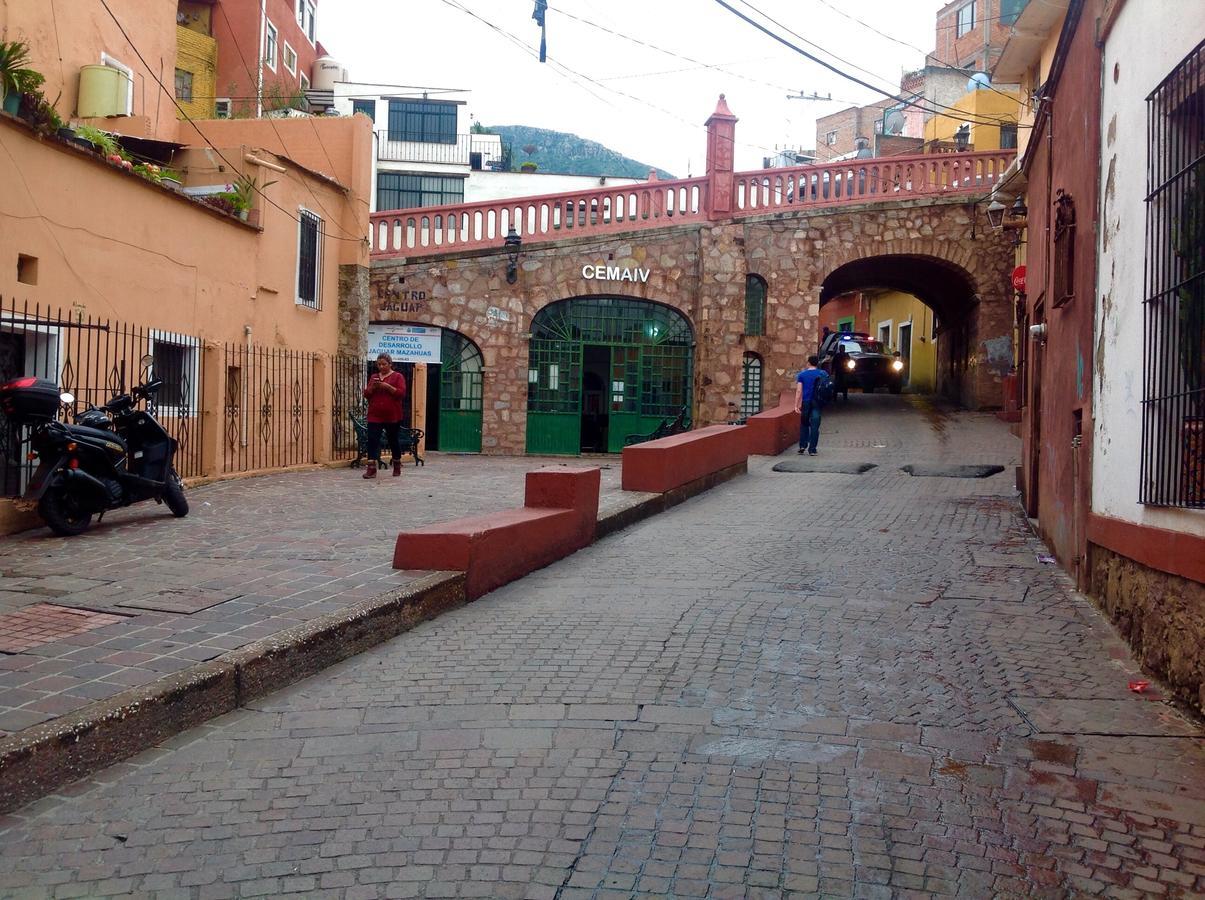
{"x":84,"y":239}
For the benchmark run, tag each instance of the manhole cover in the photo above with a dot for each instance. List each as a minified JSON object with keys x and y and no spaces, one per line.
{"x":952,"y":471}
{"x":184,"y":602}
{"x":806,"y":464}
{"x":44,"y":623}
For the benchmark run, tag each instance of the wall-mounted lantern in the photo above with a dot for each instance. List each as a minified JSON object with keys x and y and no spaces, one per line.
{"x":513,"y":243}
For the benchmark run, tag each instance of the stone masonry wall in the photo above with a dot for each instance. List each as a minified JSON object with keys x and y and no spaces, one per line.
{"x":353,"y":309}
{"x":699,"y":270}
{"x":1161,"y":616}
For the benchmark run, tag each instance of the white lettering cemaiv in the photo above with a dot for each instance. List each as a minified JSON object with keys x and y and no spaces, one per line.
{"x":615,"y":273}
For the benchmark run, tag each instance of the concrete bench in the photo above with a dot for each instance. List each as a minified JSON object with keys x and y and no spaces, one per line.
{"x":668,"y":463}
{"x":774,"y":430}
{"x":558,"y":518}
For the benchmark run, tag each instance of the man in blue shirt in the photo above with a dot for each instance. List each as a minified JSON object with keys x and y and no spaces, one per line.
{"x":807,"y":404}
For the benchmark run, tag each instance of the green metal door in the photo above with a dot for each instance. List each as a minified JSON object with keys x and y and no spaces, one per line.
{"x":460,"y":382}
{"x":650,"y":374}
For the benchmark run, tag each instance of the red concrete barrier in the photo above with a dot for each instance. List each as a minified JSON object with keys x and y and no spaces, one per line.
{"x":774,"y":430}
{"x":558,"y":518}
{"x":670,"y":462}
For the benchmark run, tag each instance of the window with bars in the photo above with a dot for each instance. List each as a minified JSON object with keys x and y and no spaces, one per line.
{"x":183,"y":86}
{"x":429,"y":121}
{"x":1173,"y":359}
{"x":396,"y":190}
{"x":755,"y":305}
{"x":1008,"y":137}
{"x":751,"y":385}
{"x":1063,"y":270}
{"x":368,"y":107}
{"x":309,"y":260}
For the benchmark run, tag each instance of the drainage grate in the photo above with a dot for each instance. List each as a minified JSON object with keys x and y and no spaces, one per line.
{"x":44,"y":623}
{"x":822,"y":466}
{"x":924,"y":471}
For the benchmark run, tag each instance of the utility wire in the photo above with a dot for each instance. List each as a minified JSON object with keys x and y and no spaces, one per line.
{"x":916,"y":98}
{"x":172,"y":96}
{"x":284,"y":144}
{"x":925,"y":53}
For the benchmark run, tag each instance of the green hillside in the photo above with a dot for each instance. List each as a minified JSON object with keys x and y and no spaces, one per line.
{"x":560,"y":153}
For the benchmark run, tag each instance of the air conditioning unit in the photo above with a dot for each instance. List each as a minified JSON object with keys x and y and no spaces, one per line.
{"x":103,"y":91}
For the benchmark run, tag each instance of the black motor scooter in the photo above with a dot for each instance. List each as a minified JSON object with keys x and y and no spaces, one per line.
{"x":111,"y":457}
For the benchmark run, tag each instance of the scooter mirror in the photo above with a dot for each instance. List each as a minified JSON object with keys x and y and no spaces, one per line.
{"x":66,"y":399}
{"x":147,"y":361}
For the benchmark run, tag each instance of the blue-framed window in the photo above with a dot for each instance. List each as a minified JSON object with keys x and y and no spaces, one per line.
{"x":396,"y":190}
{"x":429,"y":121}
{"x":368,"y":107}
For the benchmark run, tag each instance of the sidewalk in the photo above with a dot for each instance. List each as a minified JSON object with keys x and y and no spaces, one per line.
{"x":144,"y":595}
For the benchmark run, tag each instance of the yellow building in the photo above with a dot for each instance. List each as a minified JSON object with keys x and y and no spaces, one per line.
{"x":904,"y":324}
{"x":976,"y":108}
{"x":196,"y":65}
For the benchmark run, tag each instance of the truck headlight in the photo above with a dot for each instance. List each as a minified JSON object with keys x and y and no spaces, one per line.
{"x":851,"y":364}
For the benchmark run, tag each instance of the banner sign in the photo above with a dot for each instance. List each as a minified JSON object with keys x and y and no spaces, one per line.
{"x":405,"y":343}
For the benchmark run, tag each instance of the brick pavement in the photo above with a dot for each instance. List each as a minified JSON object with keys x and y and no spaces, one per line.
{"x":793,"y":685}
{"x":254,"y":557}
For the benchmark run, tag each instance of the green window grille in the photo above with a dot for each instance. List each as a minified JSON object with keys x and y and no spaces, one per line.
{"x":755,"y":305}
{"x":651,"y":358}
{"x":751,"y":385}
{"x":460,"y":374}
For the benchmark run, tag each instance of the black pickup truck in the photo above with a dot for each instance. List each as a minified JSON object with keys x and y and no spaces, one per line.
{"x":855,"y":359}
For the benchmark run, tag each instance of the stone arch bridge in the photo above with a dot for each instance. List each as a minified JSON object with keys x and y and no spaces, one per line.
{"x":808,"y":233}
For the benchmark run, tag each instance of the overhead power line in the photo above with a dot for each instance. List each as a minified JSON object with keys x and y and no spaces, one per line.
{"x":915,"y":100}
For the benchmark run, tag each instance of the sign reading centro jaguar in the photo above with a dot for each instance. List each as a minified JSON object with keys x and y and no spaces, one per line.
{"x":405,"y":343}
{"x":614,"y":273}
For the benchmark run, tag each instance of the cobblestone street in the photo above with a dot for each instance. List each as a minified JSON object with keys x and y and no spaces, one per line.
{"x":795,"y":684}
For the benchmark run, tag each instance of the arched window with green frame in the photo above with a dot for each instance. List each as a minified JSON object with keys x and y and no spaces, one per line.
{"x":755,"y":305}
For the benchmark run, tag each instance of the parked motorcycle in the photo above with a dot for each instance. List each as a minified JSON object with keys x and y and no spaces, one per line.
{"x":112,"y":456}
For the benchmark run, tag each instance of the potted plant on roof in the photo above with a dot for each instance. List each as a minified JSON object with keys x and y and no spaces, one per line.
{"x":244,"y":192}
{"x":16,"y":77}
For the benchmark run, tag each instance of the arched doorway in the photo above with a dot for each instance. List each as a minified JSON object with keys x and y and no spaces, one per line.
{"x":603,"y":368}
{"x":917,"y":306}
{"x":454,"y":397}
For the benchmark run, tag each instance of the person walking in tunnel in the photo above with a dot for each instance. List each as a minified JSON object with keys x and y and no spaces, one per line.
{"x":811,"y":388}
{"x":385,"y":391}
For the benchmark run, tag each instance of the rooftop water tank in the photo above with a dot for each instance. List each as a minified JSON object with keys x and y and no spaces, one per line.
{"x":327,"y":70}
{"x":103,"y":91}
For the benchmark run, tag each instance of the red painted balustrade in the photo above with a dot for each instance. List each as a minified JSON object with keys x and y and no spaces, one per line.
{"x":550,"y":217}
{"x":655,"y":204}
{"x":868,"y":180}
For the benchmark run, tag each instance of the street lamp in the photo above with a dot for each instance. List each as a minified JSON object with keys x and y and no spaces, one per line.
{"x":962,"y":137}
{"x":512,"y":244}
{"x":995,"y":215}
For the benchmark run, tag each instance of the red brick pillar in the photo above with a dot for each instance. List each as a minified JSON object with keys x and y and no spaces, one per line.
{"x":721,"y":136}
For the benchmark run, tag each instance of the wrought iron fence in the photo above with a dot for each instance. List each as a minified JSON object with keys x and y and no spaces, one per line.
{"x":347,"y":386}
{"x":95,"y":359}
{"x":268,"y":408}
{"x":1173,"y":406}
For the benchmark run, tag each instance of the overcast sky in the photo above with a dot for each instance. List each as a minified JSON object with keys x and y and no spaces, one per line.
{"x":645,"y":101}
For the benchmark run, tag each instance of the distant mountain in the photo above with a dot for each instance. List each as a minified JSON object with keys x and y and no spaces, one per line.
{"x":560,"y":153}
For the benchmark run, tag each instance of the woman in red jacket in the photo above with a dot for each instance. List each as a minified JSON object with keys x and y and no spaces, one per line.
{"x":386,"y":390}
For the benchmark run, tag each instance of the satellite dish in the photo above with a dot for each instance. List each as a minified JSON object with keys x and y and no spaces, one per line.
{"x":893,"y":122}
{"x":979,"y":81}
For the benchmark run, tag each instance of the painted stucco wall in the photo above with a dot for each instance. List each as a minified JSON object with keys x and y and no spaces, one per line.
{"x":110,"y":244}
{"x":982,"y":104}
{"x":896,"y":308}
{"x":238,"y":29}
{"x":81,"y":34}
{"x":1167,"y":30}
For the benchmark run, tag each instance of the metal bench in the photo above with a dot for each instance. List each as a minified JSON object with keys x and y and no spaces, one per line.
{"x":407,"y":437}
{"x":676,"y":425}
